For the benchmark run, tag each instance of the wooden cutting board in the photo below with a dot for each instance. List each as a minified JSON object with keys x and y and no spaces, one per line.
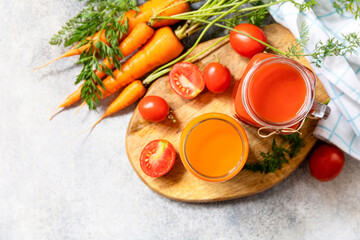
{"x":181,"y":185}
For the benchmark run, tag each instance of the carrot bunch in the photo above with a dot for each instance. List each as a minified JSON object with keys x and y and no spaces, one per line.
{"x":155,"y":48}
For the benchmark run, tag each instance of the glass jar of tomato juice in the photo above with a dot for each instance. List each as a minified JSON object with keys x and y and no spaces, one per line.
{"x":276,"y":93}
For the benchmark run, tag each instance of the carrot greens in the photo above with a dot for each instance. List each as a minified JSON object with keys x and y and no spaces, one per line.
{"x":98,"y":15}
{"x":88,"y":21}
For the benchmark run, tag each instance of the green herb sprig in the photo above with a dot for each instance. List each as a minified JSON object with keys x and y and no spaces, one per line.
{"x":297,"y":49}
{"x":333,"y":47}
{"x":279,"y":155}
{"x":307,"y":5}
{"x":352,"y":6}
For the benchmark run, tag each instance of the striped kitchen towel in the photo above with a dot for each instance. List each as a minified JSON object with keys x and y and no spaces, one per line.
{"x":339,"y":75}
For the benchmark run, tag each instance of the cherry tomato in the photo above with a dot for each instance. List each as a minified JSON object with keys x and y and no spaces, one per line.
{"x":186,"y":80}
{"x":326,"y":162}
{"x":153,"y":108}
{"x":217,"y":77}
{"x":157,"y":158}
{"x":244,"y":45}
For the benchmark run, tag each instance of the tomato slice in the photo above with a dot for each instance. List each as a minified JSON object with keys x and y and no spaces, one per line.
{"x":186,"y":80}
{"x":157,"y":158}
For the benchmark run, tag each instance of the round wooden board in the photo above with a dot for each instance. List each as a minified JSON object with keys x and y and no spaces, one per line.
{"x":181,"y":185}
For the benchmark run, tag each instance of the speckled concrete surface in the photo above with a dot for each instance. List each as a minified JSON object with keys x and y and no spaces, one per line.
{"x":86,"y":189}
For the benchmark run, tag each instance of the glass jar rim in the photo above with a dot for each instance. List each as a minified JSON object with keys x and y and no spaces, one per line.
{"x":201,"y":119}
{"x":309,"y":80}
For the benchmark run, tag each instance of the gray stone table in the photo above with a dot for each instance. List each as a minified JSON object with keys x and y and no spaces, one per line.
{"x":53,"y":186}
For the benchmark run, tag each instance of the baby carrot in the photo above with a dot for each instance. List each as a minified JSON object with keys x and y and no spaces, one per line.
{"x":131,"y":93}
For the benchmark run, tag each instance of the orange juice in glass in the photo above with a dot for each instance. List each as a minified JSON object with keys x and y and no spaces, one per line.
{"x":214,"y":147}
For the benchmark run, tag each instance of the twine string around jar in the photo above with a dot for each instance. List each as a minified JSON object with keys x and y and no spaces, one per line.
{"x":279,"y":131}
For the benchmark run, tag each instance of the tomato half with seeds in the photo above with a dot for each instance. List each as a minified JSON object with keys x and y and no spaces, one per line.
{"x":157,"y":158}
{"x":186,"y":80}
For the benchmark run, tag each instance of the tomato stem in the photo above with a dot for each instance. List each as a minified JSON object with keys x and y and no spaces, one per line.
{"x":171,"y":116}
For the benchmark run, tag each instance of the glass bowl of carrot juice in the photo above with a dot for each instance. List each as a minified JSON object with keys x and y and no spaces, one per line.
{"x":214,"y":147}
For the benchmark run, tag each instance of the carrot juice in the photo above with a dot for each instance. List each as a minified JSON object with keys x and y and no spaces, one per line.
{"x":214,"y":147}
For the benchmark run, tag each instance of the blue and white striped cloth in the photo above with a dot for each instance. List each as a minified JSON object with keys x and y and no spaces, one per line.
{"x":339,"y":75}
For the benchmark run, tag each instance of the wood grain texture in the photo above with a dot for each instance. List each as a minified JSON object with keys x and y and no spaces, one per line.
{"x":181,"y":185}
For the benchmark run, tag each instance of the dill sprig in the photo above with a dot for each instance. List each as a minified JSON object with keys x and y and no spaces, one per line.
{"x":352,"y":6}
{"x":297,"y":49}
{"x":333,"y":47}
{"x":279,"y":155}
{"x":349,"y":44}
{"x":307,"y":5}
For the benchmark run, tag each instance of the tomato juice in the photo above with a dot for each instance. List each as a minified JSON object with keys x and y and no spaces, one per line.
{"x":214,"y":147}
{"x":274,"y":91}
{"x":277,"y":92}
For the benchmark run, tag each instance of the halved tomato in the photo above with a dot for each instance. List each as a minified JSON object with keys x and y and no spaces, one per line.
{"x":157,"y":158}
{"x":186,"y":80}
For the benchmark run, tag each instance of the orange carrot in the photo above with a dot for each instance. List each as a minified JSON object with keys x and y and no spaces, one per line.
{"x":131,"y":93}
{"x":138,"y":37}
{"x":146,"y":11}
{"x":78,"y":50}
{"x":177,"y":7}
{"x":163,"y":47}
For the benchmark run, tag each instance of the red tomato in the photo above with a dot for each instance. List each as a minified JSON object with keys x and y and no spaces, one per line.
{"x":153,"y":108}
{"x":326,"y":162}
{"x":244,"y":45}
{"x":157,"y":158}
{"x":186,"y":80}
{"x":217,"y":77}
